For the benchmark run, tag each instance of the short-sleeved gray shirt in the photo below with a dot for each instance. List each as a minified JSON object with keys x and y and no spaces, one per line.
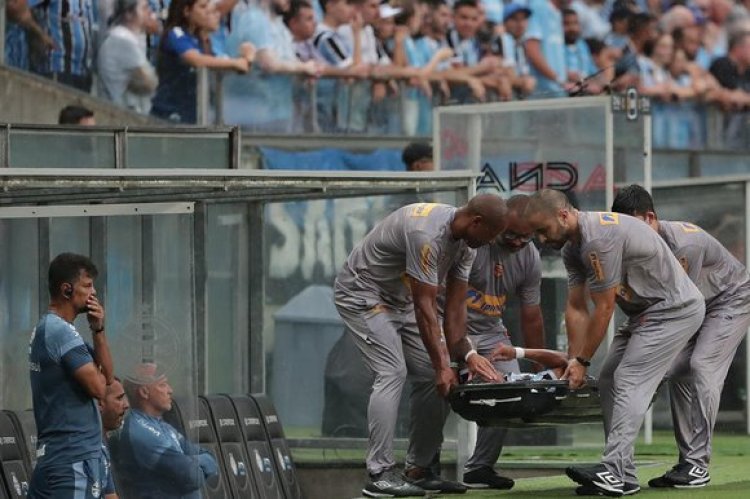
{"x":718,"y":274}
{"x":621,"y":251}
{"x":413,"y":241}
{"x":497,"y":272}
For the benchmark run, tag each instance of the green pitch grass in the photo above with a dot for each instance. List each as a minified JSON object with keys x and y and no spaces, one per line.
{"x":730,"y":470}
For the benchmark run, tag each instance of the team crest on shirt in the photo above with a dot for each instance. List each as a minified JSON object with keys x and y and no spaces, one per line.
{"x":422,"y":209}
{"x":609,"y":218}
{"x":688,"y":227}
{"x":596,"y":266}
{"x":499,"y":270}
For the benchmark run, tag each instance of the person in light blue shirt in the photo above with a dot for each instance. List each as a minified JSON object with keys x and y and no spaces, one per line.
{"x":67,"y":377}
{"x":151,"y":459}
{"x":578,"y":60}
{"x":545,"y":48}
{"x":262,"y":100}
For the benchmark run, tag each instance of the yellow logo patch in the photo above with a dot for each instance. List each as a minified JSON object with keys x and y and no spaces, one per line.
{"x":624,"y":292}
{"x":688,"y":227}
{"x":596,"y":266}
{"x":422,"y":209}
{"x":609,"y":218}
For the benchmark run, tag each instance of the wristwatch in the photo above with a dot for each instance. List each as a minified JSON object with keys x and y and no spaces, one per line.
{"x":583,"y":362}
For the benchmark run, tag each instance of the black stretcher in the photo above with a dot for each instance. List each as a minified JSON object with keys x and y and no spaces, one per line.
{"x":527,"y":403}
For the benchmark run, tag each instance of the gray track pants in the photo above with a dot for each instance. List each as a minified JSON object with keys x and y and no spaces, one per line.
{"x":490,"y":439}
{"x":697,"y":377}
{"x":640,"y":355}
{"x":391,"y":347}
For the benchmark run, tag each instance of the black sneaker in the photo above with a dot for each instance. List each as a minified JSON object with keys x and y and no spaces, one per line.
{"x":390,"y":483}
{"x":628,"y":489}
{"x":682,"y":476}
{"x":430,"y":482}
{"x":596,"y":477}
{"x":486,"y":478}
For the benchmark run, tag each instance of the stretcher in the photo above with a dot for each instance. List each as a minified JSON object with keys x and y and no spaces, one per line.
{"x":527,"y":403}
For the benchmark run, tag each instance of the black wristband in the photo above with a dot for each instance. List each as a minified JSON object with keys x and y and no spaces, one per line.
{"x":583,"y":362}
{"x":97,"y":331}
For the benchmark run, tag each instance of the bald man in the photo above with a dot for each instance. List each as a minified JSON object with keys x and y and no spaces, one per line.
{"x":620,"y":260}
{"x":386,"y":294}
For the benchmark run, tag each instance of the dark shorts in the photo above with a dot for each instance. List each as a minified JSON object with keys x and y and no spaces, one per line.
{"x":79,"y":480}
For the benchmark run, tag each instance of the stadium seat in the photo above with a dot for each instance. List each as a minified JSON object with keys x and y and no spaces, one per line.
{"x":12,"y":458}
{"x":258,"y":448}
{"x":232,"y":445}
{"x":26,"y":427}
{"x":179,"y":417}
{"x":282,"y":456}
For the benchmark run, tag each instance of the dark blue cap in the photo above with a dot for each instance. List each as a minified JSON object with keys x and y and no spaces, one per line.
{"x":514,"y":8}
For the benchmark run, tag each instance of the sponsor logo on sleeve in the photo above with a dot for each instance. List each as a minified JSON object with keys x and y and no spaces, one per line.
{"x":688,"y":227}
{"x":422,"y":209}
{"x":424,"y":258}
{"x":684,"y":262}
{"x":609,"y":218}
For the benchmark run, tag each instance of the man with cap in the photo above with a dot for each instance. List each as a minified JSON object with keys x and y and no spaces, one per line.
{"x":512,"y":49}
{"x":151,"y":458}
{"x":386,"y":293}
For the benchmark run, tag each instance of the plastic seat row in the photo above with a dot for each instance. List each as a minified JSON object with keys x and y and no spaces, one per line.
{"x":243,"y":432}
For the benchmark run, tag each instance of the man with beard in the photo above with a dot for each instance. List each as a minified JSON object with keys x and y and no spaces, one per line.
{"x":113,"y":407}
{"x":619,"y":259}
{"x":507,"y":266}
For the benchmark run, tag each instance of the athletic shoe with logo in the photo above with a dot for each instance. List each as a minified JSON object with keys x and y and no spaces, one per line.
{"x":597,"y":477}
{"x":390,"y":483}
{"x":628,"y":489}
{"x":430,"y":482}
{"x":486,"y":478}
{"x":682,"y":476}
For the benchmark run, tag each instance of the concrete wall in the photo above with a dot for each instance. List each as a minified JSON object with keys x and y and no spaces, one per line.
{"x":30,"y":99}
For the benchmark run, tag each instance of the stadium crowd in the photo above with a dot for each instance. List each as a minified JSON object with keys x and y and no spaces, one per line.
{"x":363,"y":66}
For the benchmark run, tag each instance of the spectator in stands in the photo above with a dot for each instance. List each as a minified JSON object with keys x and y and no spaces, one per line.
{"x":151,"y":459}
{"x":76,"y":115}
{"x":68,"y":376}
{"x":417,"y":157}
{"x":690,"y":41}
{"x":618,"y":37}
{"x":604,"y":58}
{"x":733,"y":73}
{"x":113,"y":407}
{"x":513,"y":50}
{"x":344,"y":58}
{"x":578,"y":61}
{"x":181,"y":52}
{"x":593,"y":25}
{"x":127,"y":77}
{"x":653,"y":67}
{"x":451,"y":73}
{"x":642,"y":33}
{"x":263,"y":99}
{"x":545,"y":48}
{"x":20,"y":29}
{"x":70,"y":25}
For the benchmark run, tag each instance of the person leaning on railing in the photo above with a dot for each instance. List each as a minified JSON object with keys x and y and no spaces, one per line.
{"x":183,"y":47}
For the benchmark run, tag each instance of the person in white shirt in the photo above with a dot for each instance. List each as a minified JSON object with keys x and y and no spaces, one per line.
{"x":126,"y":76}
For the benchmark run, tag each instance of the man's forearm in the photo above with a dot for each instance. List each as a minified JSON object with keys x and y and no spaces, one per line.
{"x":532,"y":326}
{"x":595,"y":332}
{"x":429,"y":330}
{"x":576,"y":325}
{"x":103,"y":357}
